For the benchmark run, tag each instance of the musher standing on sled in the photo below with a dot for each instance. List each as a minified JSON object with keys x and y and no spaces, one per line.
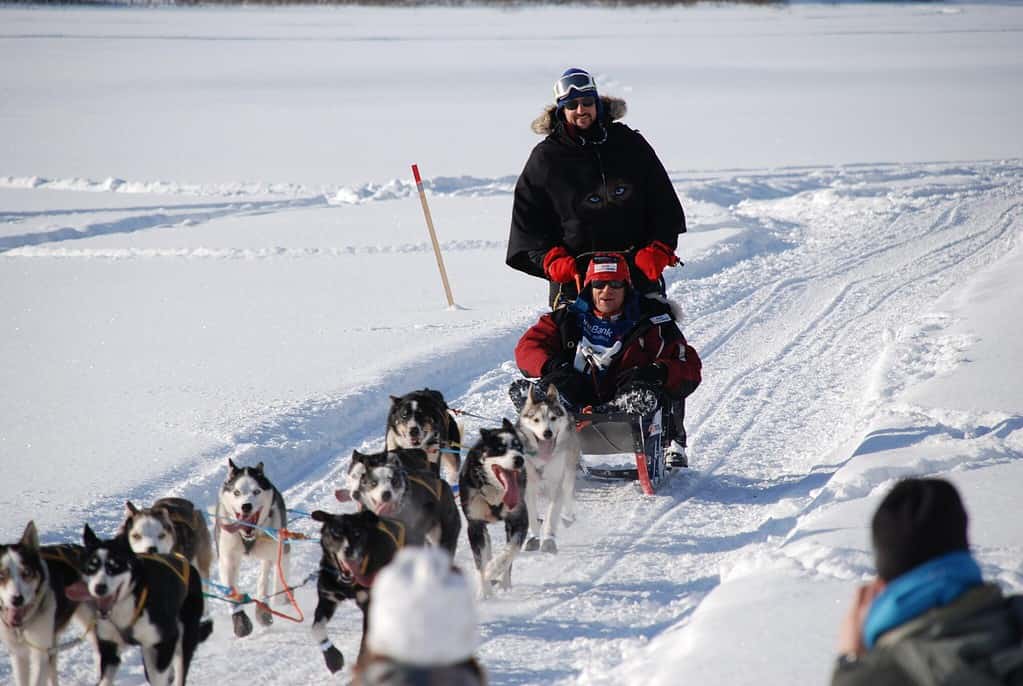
{"x":613,"y":350}
{"x":592,"y":184}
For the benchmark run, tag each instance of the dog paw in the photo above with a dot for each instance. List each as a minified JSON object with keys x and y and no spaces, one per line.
{"x":567,"y":520}
{"x":532,"y":544}
{"x":549,"y":546}
{"x":264,"y":616}
{"x":242,"y":624}
{"x":334,"y":659}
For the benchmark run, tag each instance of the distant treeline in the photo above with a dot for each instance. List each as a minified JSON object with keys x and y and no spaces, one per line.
{"x":397,"y":3}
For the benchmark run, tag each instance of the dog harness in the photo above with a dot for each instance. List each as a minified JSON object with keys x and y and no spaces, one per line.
{"x":183,"y":570}
{"x":434,"y":489}
{"x":395,"y":530}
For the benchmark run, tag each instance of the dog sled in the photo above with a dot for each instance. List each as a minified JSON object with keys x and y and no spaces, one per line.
{"x":622,"y":433}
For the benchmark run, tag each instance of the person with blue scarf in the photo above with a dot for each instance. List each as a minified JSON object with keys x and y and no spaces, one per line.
{"x":929,"y":618}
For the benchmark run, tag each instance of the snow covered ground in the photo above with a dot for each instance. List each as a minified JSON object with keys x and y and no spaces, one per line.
{"x":210,"y":247}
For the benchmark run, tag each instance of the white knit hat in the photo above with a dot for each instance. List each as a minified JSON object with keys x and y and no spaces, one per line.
{"x":421,"y":612}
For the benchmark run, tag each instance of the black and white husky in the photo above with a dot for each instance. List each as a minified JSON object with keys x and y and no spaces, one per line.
{"x":384,"y":484}
{"x":249,"y":504}
{"x":149,"y":600}
{"x":34,"y":609}
{"x":171,"y":525}
{"x":491,"y":489}
{"x":421,"y":419}
{"x":552,"y":456}
{"x":355,"y":547}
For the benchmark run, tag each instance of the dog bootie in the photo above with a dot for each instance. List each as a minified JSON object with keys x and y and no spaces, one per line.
{"x":532,"y":545}
{"x":549,"y":546}
{"x":675,"y":455}
{"x":264,"y":616}
{"x":242,"y":624}
{"x":333,"y":658}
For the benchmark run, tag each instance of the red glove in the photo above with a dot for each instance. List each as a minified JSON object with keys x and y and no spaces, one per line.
{"x":652,"y":259}
{"x":559,"y":265}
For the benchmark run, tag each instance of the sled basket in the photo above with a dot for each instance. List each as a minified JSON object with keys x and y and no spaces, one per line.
{"x":621,"y":432}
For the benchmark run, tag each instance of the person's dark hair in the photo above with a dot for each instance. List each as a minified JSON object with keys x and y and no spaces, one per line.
{"x":919,"y":520}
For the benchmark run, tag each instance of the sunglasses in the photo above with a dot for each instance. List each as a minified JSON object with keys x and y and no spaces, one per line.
{"x":600,"y":285}
{"x":574,"y":104}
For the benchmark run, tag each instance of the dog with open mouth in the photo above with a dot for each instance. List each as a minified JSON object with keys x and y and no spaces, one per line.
{"x":355,"y":547}
{"x":422,"y":419}
{"x":150,"y":600}
{"x":248,"y":507}
{"x":34,"y":608}
{"x":553,"y":452}
{"x":492,"y":489}
{"x":384,"y":484}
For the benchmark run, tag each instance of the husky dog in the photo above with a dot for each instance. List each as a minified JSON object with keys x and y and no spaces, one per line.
{"x":34,"y":609}
{"x":383,"y":484}
{"x":491,"y":488}
{"x":248,"y":503}
{"x":552,"y":457}
{"x":149,"y":600}
{"x":421,"y":419}
{"x":355,"y":547}
{"x":171,"y":525}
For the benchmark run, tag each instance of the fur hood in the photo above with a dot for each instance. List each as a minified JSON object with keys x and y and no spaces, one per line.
{"x":614,"y":109}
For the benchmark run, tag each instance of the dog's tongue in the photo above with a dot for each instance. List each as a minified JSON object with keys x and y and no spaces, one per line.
{"x":77,"y":592}
{"x":385,"y":509}
{"x":545,"y":449}
{"x":342,"y":495}
{"x":106,"y":602}
{"x":234,"y":526}
{"x":511,"y":487}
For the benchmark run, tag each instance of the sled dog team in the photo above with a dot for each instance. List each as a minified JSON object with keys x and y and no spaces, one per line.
{"x":144,"y":586}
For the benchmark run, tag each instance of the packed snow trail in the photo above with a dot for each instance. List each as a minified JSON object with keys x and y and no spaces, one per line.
{"x":789,"y":313}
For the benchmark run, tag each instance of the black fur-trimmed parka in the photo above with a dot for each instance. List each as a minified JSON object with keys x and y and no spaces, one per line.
{"x":606,"y":190}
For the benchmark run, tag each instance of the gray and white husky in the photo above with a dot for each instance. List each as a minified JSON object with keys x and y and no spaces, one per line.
{"x":34,"y":608}
{"x":552,"y":451}
{"x":247,"y":505}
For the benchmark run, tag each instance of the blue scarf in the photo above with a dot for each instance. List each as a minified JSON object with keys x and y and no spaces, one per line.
{"x":933,"y":584}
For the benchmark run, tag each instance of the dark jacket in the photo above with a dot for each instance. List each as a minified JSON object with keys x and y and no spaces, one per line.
{"x":977,"y":640}
{"x":604,"y":192}
{"x":654,"y":338}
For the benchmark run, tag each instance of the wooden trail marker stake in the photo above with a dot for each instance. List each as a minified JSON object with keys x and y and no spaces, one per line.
{"x":433,"y":235}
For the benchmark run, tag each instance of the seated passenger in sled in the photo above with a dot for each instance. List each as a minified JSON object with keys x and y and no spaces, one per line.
{"x":613,"y":351}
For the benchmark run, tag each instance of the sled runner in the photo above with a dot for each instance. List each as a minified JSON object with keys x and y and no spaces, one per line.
{"x":623,"y":433}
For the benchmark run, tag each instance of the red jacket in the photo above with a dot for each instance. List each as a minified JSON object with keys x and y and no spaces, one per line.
{"x":660,"y":340}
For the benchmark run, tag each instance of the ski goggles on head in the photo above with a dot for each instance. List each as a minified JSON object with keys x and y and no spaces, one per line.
{"x":580,"y":82}
{"x":576,"y":102}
